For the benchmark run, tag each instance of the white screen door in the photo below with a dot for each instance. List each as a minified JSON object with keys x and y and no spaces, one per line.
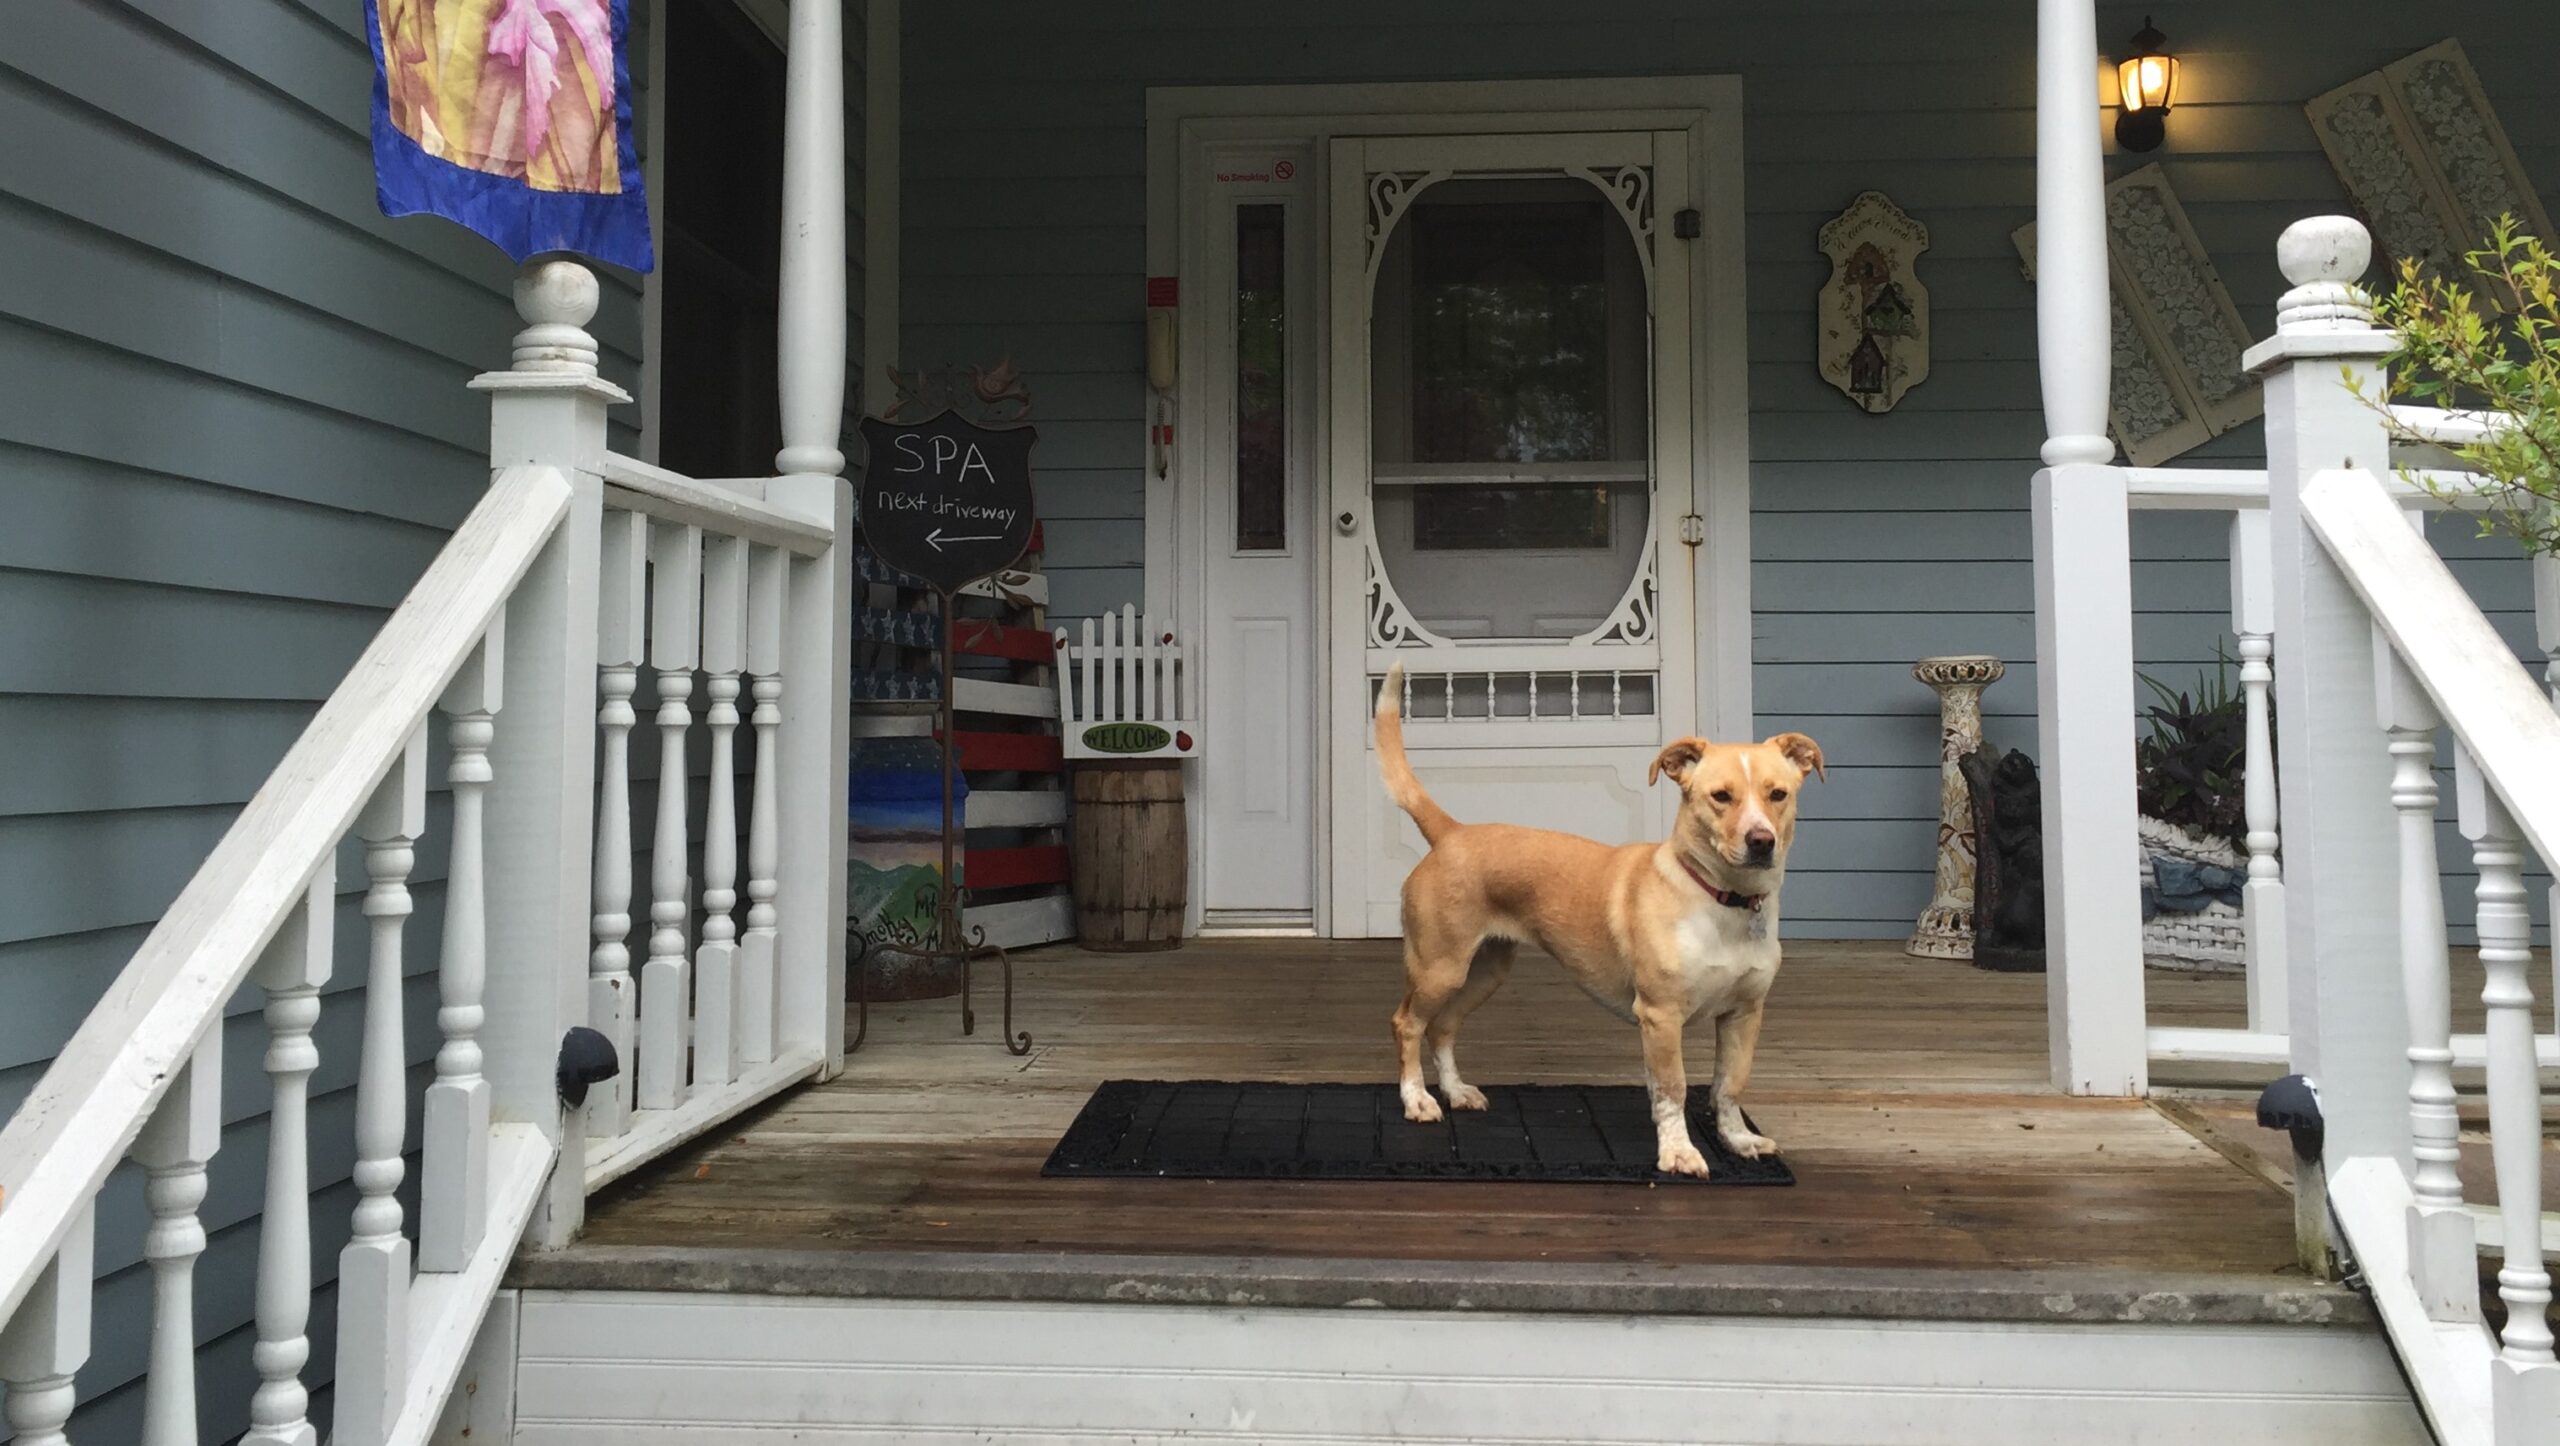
{"x":1510,"y":436}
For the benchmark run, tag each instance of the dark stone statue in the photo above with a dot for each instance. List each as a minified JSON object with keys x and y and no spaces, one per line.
{"x":2008,"y":866}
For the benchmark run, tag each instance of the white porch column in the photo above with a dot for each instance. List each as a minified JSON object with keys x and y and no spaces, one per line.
{"x":2084,"y":593}
{"x":2344,"y":1004}
{"x":818,"y":592}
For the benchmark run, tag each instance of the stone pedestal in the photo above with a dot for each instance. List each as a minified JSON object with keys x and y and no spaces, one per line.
{"x":1946,"y":926}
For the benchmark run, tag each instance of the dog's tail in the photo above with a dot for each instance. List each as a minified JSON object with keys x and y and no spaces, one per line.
{"x":1402,"y":786}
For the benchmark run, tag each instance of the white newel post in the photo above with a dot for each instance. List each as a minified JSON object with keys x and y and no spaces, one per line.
{"x":817,"y":598}
{"x":2084,"y":594}
{"x":2346,"y":1011}
{"x":538,"y":830}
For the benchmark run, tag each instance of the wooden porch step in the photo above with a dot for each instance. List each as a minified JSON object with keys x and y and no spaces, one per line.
{"x":2049,"y":1297}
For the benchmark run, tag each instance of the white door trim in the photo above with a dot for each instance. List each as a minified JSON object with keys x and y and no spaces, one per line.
{"x":1182,"y":122}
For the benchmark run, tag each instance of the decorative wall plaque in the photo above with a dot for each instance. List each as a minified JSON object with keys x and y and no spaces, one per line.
{"x":1872,"y":320}
{"x":2173,"y":334}
{"x":2419,"y":148}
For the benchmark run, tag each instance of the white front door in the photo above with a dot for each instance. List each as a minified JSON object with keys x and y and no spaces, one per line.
{"x":1258,"y":294}
{"x":1509,"y":471}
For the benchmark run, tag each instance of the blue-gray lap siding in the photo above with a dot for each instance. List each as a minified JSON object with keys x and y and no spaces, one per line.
{"x":233,"y":430}
{"x":1875,"y":540}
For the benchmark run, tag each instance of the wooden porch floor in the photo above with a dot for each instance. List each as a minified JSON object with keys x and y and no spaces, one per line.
{"x":1911,"y":1096}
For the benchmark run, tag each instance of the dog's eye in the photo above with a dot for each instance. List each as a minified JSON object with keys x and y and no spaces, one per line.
{"x":1722,"y":795}
{"x":1777,"y":795}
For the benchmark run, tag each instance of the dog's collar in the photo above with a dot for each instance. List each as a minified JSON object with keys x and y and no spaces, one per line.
{"x":1726,"y":897}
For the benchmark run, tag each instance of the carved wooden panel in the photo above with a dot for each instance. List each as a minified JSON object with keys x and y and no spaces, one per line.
{"x":2421,"y":151}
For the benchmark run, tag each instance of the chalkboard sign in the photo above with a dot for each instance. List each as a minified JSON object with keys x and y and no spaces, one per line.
{"x":947,"y":499}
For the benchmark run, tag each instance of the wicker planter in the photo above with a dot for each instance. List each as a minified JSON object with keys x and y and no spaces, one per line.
{"x":2214,"y":941}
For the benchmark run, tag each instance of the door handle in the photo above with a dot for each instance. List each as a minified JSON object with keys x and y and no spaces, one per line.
{"x":1348,"y":523}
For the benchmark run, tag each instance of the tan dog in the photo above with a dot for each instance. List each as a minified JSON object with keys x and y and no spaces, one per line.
{"x":1659,"y":933}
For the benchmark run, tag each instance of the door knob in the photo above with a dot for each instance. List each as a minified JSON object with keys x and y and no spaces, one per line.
{"x":1347,"y":523}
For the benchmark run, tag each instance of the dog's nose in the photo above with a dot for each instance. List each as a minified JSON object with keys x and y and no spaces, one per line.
{"x":1760,"y":845}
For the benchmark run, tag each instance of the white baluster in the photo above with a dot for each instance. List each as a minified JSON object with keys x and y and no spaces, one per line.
{"x":43,"y":1346}
{"x":2253,"y":622}
{"x":173,"y":1149}
{"x":724,"y":646}
{"x":1573,"y":690}
{"x":621,"y":630}
{"x":2515,"y":1100}
{"x":294,"y":966}
{"x":758,"y":996}
{"x":675,"y":567}
{"x":373,"y":1269}
{"x":2443,"y":1254}
{"x":453,"y":1185}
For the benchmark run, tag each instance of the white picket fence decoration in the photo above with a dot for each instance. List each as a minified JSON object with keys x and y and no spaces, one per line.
{"x":1132,"y":672}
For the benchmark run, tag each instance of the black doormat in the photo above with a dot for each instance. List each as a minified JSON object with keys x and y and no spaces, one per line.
{"x":1214,"y":1130}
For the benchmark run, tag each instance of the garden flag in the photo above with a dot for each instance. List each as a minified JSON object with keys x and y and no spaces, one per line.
{"x":512,"y":117}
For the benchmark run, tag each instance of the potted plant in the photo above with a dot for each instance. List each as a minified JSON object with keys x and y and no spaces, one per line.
{"x":2488,"y":340}
{"x":2190,"y":775}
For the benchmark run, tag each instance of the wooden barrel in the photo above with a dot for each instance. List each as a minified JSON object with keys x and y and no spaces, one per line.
{"x":1132,"y":854}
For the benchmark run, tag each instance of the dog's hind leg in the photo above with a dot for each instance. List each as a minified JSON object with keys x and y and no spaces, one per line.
{"x":1737,"y":1039}
{"x":1435,"y":974}
{"x":1492,"y":964}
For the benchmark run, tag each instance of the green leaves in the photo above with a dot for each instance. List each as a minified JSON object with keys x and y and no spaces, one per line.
{"x":2488,"y":340}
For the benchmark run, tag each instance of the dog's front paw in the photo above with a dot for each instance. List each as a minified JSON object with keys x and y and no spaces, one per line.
{"x":1465,"y":1097}
{"x":1746,"y":1144}
{"x":1420,"y":1107}
{"x":1680,"y":1158}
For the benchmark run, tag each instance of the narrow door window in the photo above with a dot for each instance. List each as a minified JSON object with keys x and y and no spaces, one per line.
{"x":1262,"y":382}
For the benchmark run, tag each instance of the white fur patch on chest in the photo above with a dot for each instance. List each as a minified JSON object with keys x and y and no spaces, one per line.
{"x":1725,"y":953}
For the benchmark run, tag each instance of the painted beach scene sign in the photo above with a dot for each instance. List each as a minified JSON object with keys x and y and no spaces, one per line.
{"x":946,"y":499}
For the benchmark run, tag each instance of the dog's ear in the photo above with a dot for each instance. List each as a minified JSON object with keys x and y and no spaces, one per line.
{"x":1677,"y":760}
{"x":1801,"y":751}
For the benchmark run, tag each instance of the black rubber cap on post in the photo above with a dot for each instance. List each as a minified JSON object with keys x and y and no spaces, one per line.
{"x":586,"y":1058}
{"x":2292,"y":1104}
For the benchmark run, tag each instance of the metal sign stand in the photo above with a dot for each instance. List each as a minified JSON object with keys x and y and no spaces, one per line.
{"x":948,"y":940}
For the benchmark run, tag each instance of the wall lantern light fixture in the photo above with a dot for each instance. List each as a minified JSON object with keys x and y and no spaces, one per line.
{"x":2147,"y":80}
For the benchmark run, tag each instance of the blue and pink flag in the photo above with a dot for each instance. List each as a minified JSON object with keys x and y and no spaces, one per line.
{"x":512,"y":117}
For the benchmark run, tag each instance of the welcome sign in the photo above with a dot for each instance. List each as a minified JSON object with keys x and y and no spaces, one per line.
{"x":946,"y":499}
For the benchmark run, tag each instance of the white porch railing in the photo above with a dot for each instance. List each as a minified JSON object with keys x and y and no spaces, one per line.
{"x":575,"y":569}
{"x":2386,"y":651}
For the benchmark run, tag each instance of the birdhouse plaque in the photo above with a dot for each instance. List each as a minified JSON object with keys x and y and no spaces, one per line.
{"x":1873,"y":315}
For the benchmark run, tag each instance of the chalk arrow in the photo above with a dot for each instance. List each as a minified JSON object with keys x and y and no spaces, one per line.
{"x":936,"y":539}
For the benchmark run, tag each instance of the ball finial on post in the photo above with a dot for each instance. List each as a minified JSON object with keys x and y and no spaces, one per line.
{"x":556,"y":297}
{"x":2324,"y":257}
